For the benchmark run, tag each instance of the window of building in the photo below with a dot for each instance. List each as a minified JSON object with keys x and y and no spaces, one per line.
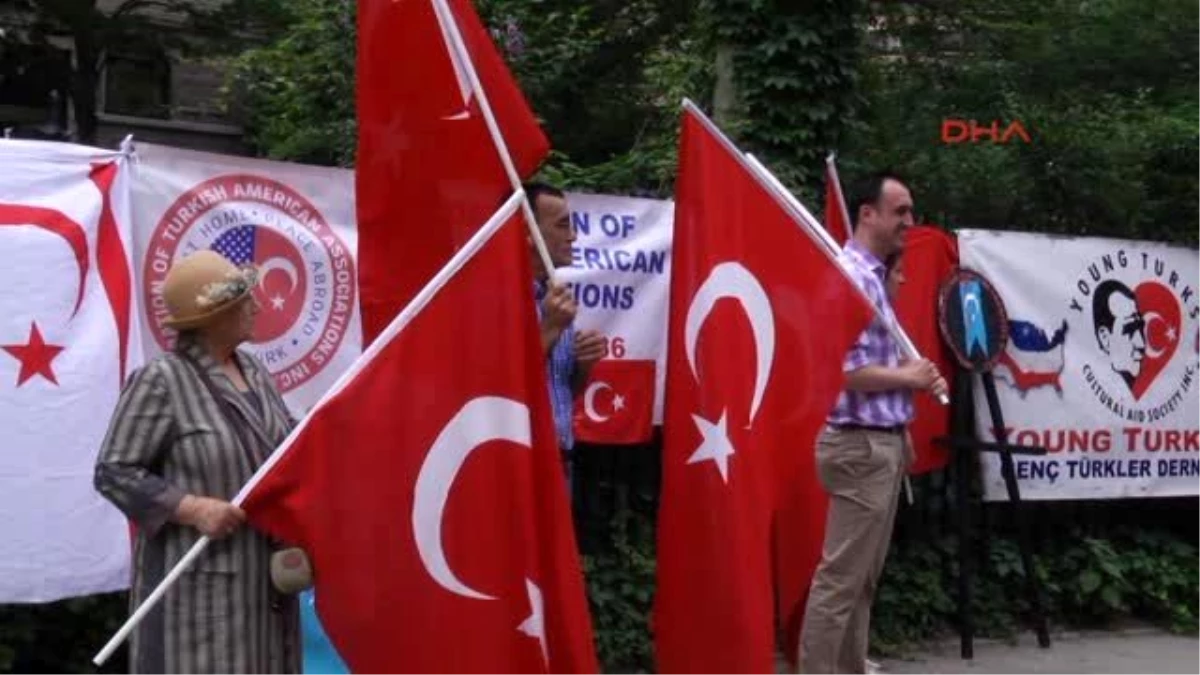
{"x":138,"y":85}
{"x":28,"y":73}
{"x":34,"y":85}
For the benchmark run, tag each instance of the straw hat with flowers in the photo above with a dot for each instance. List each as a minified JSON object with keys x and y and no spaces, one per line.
{"x":202,"y":286}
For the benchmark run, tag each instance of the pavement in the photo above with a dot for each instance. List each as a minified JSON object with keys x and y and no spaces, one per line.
{"x":1130,"y":650}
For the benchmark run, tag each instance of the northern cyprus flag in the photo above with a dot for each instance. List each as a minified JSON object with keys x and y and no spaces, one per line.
{"x":66,"y":345}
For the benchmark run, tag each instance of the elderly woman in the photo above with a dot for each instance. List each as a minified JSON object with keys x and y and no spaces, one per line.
{"x":189,"y":430}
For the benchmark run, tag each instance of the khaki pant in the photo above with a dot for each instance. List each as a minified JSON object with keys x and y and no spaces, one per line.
{"x":862,"y":472}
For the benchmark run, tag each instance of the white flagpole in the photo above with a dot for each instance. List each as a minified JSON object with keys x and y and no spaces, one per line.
{"x":831,"y":164}
{"x":458,"y":47}
{"x":149,"y":603}
{"x":398,"y":324}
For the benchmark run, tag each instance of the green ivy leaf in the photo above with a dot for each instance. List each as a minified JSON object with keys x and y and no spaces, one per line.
{"x":1111,"y":597}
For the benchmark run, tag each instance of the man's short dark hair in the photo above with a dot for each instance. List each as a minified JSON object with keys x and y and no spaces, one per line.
{"x":868,"y":191}
{"x":534,"y":190}
{"x":1102,"y":316}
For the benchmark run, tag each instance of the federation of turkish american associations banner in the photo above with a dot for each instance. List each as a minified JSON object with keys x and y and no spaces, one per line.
{"x":1101,"y":364}
{"x":295,"y":222}
{"x":620,"y":275}
{"x":66,"y":343}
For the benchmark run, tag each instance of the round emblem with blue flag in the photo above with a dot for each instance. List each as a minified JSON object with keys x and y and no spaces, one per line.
{"x":972,"y":319}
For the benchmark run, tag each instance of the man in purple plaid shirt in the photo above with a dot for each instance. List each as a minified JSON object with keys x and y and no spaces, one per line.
{"x":862,"y":454}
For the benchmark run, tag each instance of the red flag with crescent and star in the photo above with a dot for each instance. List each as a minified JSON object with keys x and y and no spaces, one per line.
{"x":760,"y":322}
{"x":617,"y":404}
{"x":428,"y":488}
{"x":66,"y":345}
{"x":428,"y":172}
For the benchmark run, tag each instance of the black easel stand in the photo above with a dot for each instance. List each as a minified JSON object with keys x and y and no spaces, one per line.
{"x":962,"y":441}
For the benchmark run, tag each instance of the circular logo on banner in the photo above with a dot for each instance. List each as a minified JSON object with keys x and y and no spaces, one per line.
{"x":1134,"y":308}
{"x":972,"y":320}
{"x":306,"y":274}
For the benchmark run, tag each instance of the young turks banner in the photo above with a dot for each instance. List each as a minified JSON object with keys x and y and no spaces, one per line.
{"x":1100,"y":366}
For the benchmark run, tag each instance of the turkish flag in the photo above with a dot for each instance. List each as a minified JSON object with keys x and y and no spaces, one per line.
{"x":837,"y":221}
{"x":428,"y":172}
{"x":930,"y":255}
{"x":617,"y":405}
{"x":428,"y":488}
{"x":760,"y":321}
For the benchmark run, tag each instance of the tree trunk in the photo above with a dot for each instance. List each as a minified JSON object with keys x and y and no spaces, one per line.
{"x":83,"y":87}
{"x":724,"y":90}
{"x":85,"y":25}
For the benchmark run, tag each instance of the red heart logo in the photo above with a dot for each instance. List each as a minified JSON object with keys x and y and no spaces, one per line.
{"x":1160,"y":312}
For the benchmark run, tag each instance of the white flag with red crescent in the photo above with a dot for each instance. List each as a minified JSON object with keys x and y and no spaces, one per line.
{"x":66,"y":345}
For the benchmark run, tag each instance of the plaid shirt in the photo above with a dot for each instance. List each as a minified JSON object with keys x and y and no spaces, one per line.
{"x":874,"y":347}
{"x":560,"y":367}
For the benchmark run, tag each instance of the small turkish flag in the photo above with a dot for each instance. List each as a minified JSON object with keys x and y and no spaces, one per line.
{"x":618,"y":403}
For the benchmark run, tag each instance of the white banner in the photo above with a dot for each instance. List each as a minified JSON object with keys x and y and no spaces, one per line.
{"x":621,"y":276}
{"x":1101,"y":366}
{"x":67,"y":340}
{"x":296,"y":222}
{"x":84,"y":262}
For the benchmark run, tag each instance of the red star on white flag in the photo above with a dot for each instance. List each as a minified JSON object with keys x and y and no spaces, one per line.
{"x":35,"y":356}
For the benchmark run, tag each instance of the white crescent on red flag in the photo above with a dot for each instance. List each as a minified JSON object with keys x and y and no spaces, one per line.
{"x":617,"y":404}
